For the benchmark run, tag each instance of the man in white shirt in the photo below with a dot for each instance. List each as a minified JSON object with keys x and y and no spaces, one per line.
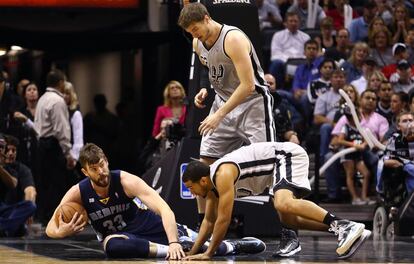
{"x":287,"y":43}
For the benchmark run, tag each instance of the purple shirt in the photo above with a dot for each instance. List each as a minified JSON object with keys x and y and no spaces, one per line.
{"x":375,"y":122}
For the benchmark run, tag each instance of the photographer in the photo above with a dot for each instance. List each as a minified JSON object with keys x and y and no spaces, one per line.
{"x":171,"y":131}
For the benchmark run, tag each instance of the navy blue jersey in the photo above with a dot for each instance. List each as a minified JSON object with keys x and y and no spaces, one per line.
{"x":118,"y":213}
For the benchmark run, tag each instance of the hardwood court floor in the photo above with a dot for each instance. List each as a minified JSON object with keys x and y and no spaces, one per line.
{"x":316,"y":248}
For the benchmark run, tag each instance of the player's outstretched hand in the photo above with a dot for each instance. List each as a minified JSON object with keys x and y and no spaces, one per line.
{"x":200,"y":97}
{"x":175,"y":252}
{"x":201,"y":256}
{"x":76,"y":225}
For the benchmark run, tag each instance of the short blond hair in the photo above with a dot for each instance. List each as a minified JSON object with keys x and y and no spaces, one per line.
{"x":166,"y":94}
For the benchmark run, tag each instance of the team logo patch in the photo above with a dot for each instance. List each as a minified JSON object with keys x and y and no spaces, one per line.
{"x":105,"y":200}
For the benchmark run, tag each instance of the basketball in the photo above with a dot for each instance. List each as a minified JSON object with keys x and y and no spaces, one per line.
{"x":69,"y":209}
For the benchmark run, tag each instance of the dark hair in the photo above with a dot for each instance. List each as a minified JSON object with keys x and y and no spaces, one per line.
{"x":195,"y":171}
{"x":325,"y":61}
{"x":311,"y":42}
{"x":404,"y":98}
{"x":339,"y":71}
{"x":291,"y":14}
{"x":369,"y":91}
{"x":54,"y":77}
{"x":27,"y":86}
{"x":11,"y":140}
{"x":192,"y":13}
{"x":90,"y":154}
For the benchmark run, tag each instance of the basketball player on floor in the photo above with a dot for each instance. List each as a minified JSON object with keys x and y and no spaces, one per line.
{"x":116,"y":203}
{"x":242,"y":110}
{"x":250,"y":170}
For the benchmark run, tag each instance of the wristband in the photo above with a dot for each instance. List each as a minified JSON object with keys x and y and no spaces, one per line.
{"x":174,"y":242}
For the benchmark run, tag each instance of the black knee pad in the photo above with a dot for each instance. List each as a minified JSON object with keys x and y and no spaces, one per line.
{"x":118,"y":247}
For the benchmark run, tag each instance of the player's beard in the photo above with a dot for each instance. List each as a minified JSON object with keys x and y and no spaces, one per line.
{"x":103,"y":180}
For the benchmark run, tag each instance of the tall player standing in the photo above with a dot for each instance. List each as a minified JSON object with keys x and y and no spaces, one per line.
{"x":242,"y":109}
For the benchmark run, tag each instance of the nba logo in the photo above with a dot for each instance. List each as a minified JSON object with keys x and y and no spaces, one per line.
{"x":184,"y":191}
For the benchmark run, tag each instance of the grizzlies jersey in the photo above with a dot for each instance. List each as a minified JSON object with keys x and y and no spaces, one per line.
{"x":266,"y":165}
{"x":222,"y":73}
{"x":117,"y":213}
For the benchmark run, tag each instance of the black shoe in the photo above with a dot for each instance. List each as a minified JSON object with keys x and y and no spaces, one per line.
{"x":248,"y":245}
{"x":289,"y":244}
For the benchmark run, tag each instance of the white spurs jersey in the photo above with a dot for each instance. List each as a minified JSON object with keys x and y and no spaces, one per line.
{"x":222,"y":73}
{"x":263,"y":165}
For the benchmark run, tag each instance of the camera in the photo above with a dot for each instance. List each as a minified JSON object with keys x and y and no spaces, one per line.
{"x":174,"y":131}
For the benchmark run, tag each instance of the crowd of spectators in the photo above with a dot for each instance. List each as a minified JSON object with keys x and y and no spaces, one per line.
{"x":364,"y":48}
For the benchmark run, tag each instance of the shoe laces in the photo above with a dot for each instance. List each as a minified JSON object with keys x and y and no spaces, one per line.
{"x":338,"y":229}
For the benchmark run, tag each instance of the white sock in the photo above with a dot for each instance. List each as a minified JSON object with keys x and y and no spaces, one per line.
{"x":229,"y":246}
{"x":162,"y":250}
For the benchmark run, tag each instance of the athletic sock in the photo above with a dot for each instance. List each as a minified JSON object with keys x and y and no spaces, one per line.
{"x":329,"y":218}
{"x":162,"y":250}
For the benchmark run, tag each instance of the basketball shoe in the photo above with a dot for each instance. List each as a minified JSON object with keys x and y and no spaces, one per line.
{"x":289,"y":244}
{"x":247,"y":245}
{"x":348,"y":232}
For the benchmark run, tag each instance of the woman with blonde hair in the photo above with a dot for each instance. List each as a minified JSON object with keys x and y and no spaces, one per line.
{"x":173,"y":107}
{"x":376,"y":24}
{"x":375,"y":81}
{"x":353,"y":67}
{"x":75,"y":118}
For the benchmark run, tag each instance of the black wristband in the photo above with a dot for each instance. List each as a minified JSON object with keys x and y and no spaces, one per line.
{"x":173,"y":242}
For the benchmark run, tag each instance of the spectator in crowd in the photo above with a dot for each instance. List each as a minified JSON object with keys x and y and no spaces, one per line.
{"x":25,"y":189}
{"x":17,"y":194}
{"x":101,"y":126}
{"x":342,"y":14}
{"x":323,"y":84}
{"x":287,"y":43}
{"x":281,"y":114}
{"x":307,"y":72}
{"x":400,"y":52}
{"x":384,"y":100}
{"x":76,"y":127}
{"x":375,"y":80}
{"x":368,"y":68}
{"x":400,"y":23}
{"x":398,"y":153}
{"x":411,"y":107}
{"x":377,"y":23}
{"x":384,"y":11}
{"x":325,"y":109}
{"x":54,"y":157}
{"x":358,"y":28}
{"x":327,"y":39}
{"x":310,"y":13}
{"x":28,"y":138}
{"x":342,"y":51}
{"x":75,"y":117}
{"x":410,"y":44}
{"x":404,"y":81}
{"x":173,"y":106}
{"x":269,"y":14}
{"x":349,"y":136}
{"x":380,"y":44}
{"x":353,"y":66}
{"x":399,"y":103}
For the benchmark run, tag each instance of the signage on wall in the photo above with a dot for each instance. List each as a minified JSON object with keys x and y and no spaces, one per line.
{"x":72,"y":3}
{"x":184,"y":191}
